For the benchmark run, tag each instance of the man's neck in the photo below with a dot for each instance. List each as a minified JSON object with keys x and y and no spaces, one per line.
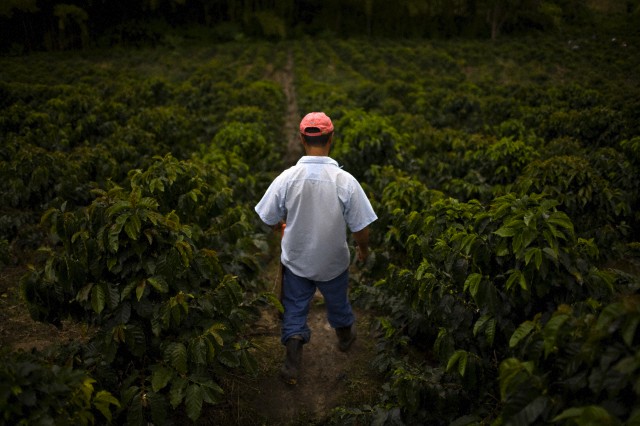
{"x":313,"y":151}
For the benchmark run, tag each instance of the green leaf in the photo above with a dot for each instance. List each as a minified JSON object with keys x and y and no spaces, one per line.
{"x":158,"y":407}
{"x":117,"y":208}
{"x":550,"y":332}
{"x":102,"y":401}
{"x":531,"y":252}
{"x":176,"y":356}
{"x":160,"y":378}
{"x":521,"y":332}
{"x":213,"y":331}
{"x":126,"y":291}
{"x":156,"y":183}
{"x":528,"y":236}
{"x":551,"y":252}
{"x":159,"y":283}
{"x":114,"y":232}
{"x":140,"y":290}
{"x":561,"y":219}
{"x":274,"y":300}
{"x":490,"y":331}
{"x":529,"y":414}
{"x":513,"y":373}
{"x":111,"y":294}
{"x":111,"y":262}
{"x":458,"y":358}
{"x":97,"y":298}
{"x":212,"y":394}
{"x":479,"y":325}
{"x":523,"y":282}
{"x":186,"y":252}
{"x":133,"y":226}
{"x":472,"y":282}
{"x":467,"y":243}
{"x":199,"y":349}
{"x":587,"y":416}
{"x":193,"y":401}
{"x":516,"y":275}
{"x":507,"y":231}
{"x":135,"y":411}
{"x":178,"y":390}
{"x":84,"y":293}
{"x":422,"y":268}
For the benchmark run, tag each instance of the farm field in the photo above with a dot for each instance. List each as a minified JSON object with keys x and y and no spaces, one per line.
{"x":503,"y":283}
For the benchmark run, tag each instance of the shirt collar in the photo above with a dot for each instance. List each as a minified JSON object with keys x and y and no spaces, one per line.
{"x":314,"y":159}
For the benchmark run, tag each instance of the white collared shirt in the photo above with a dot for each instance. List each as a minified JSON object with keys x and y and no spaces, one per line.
{"x":319,"y":201}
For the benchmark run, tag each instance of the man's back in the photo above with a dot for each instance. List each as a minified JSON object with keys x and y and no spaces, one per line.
{"x":317,"y":195}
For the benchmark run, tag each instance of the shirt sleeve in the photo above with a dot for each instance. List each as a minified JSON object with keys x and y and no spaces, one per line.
{"x":271,"y":207}
{"x":358,"y":210}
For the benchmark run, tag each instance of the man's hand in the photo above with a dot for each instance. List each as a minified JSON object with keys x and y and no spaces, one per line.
{"x":362,"y":243}
{"x":279,"y":227}
{"x":362,"y":253}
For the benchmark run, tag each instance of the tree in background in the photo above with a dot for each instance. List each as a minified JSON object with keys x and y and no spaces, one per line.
{"x":70,"y":24}
{"x":17,"y":10}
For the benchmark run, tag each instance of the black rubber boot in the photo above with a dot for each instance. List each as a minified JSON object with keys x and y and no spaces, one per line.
{"x":293,"y":360}
{"x":346,"y":336}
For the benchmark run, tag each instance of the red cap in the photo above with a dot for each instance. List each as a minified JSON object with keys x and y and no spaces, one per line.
{"x":319,"y":120}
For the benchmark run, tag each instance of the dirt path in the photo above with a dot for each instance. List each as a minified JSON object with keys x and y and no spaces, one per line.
{"x":329,"y":378}
{"x":294,"y":148}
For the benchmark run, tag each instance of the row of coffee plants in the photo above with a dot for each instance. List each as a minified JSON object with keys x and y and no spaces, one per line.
{"x":93,"y":119}
{"x":504,"y":175}
{"x":506,"y":181}
{"x":134,"y":174}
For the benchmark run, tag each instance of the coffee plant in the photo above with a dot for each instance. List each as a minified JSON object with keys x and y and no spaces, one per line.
{"x":576,"y":365}
{"x":142,"y":265}
{"x":37,"y":392}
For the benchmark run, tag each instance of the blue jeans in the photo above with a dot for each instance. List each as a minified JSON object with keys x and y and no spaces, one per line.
{"x":296,"y":299}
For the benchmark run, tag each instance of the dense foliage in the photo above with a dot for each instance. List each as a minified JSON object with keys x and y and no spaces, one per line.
{"x":27,"y":25}
{"x":506,"y":195}
{"x":504,"y":273}
{"x":141,"y":190}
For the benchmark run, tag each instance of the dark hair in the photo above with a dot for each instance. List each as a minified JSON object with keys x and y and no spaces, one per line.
{"x":319,"y":140}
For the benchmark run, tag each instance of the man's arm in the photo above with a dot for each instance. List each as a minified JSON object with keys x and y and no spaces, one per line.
{"x":362,"y":243}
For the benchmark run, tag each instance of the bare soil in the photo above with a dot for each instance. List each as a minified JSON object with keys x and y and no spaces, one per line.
{"x":18,"y":331}
{"x":294,"y":147}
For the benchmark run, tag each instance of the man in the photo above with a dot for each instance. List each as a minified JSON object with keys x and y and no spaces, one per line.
{"x":318,"y":201}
